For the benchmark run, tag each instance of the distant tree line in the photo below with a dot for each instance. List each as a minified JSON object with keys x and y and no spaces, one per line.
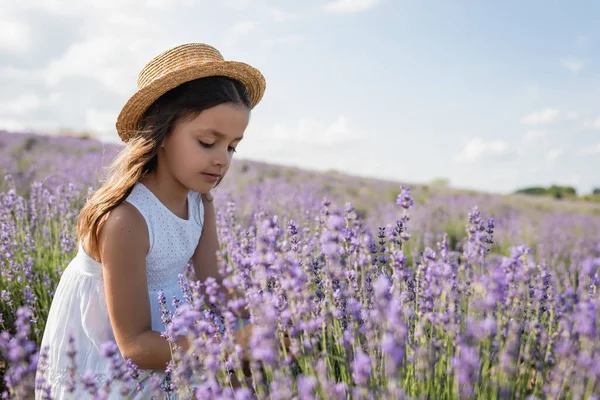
{"x":556,"y":191}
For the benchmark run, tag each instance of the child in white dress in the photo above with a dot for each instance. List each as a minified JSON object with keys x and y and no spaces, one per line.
{"x":152,"y":216}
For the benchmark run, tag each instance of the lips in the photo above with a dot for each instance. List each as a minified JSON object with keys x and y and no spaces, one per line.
{"x":211,"y":177}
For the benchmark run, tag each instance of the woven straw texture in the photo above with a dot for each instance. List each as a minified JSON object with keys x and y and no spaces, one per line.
{"x":176,"y":66}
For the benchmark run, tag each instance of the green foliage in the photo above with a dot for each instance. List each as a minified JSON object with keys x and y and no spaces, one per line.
{"x":533,"y":191}
{"x":440,"y":182}
{"x":352,"y":191}
{"x":273,"y":173}
{"x":555,"y":191}
{"x":29,"y":143}
{"x":559,"y":192}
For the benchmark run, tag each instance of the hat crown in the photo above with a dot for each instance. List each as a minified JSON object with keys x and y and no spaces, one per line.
{"x":177,"y":58}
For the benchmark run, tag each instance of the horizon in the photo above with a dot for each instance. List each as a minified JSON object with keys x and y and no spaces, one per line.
{"x":438,"y":182}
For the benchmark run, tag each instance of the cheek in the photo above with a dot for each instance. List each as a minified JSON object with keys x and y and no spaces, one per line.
{"x":184,"y":158}
{"x":196,"y":158}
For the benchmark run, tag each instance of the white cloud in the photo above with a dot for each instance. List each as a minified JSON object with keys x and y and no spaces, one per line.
{"x":309,"y":143}
{"x":130,"y":21}
{"x":101,"y":59}
{"x":11,"y":125}
{"x":238,"y":31}
{"x":314,"y":132}
{"x":15,"y":35}
{"x":593,"y":149}
{"x":55,"y":97}
{"x":23,"y":104}
{"x":572,"y":115}
{"x":78,"y":7}
{"x":55,"y":7}
{"x":593,"y":124}
{"x":240,"y":5}
{"x":114,"y":39}
{"x":545,"y":116}
{"x":281,"y":15}
{"x":336,"y":131}
{"x":553,"y":154}
{"x":530,"y":140}
{"x":572,"y":64}
{"x":505,"y":175}
{"x":533,"y":136}
{"x":10,"y":73}
{"x":261,"y":6}
{"x":349,"y":6}
{"x":100,"y":122}
{"x":573,"y":180}
{"x":23,"y":125}
{"x":316,"y":144}
{"x":92,"y":59}
{"x":478,"y":148}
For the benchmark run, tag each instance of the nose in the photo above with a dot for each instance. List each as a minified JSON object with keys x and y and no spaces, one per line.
{"x":221,"y":159}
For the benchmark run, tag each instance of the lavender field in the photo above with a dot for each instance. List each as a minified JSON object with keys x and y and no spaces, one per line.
{"x":386,"y":290}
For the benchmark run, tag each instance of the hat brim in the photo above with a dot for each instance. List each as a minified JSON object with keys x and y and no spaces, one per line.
{"x":136,"y":106}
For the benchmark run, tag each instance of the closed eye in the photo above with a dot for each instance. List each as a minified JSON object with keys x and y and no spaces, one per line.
{"x":210,"y":145}
{"x":206,"y":145}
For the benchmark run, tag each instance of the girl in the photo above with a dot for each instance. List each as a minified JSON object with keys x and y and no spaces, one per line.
{"x":153,"y":214}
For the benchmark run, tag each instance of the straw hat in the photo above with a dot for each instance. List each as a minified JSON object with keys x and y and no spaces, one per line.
{"x":176,"y":66}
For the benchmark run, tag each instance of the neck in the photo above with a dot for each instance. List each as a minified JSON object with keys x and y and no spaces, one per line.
{"x":168,"y":190}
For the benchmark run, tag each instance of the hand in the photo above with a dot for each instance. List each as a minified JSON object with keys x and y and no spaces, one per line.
{"x":242,"y":337}
{"x":287,"y":342}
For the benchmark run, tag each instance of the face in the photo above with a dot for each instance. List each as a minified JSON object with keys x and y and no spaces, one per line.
{"x":199,"y":151}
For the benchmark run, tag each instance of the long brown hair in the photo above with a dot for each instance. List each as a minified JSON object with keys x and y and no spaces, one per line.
{"x":139,"y":156}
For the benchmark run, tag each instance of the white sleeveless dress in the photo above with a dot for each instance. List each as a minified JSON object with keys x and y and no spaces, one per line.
{"x":79,"y":304}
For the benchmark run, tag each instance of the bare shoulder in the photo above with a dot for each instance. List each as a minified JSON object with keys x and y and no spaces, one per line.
{"x":123,"y":235}
{"x":124,"y":244}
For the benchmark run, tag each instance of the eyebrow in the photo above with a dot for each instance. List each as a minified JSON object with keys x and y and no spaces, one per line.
{"x":217,"y":133}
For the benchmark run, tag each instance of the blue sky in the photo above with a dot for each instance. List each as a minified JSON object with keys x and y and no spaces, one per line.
{"x":491,"y":95}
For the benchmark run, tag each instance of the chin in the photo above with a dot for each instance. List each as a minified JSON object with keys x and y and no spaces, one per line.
{"x":199,"y":189}
{"x":202,"y":188}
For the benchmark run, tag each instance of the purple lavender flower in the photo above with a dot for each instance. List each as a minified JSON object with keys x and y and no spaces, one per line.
{"x":121,"y":372}
{"x":21,"y":355}
{"x":306,"y":387}
{"x":405,"y":199}
{"x":466,"y":367}
{"x":72,"y":371}
{"x":88,"y":380}
{"x":361,"y":368}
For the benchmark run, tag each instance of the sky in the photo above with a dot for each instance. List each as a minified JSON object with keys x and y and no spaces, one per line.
{"x":491,"y":95}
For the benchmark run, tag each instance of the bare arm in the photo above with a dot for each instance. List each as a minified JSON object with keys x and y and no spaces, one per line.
{"x":123,"y":246}
{"x":205,"y":257}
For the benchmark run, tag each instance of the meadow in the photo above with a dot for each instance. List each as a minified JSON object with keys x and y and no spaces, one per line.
{"x":386,"y":289}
